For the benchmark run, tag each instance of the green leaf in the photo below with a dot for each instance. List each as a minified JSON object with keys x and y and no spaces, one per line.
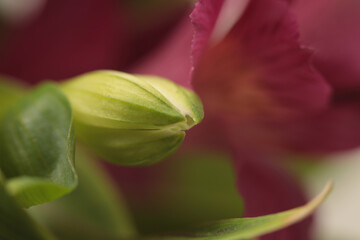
{"x":248,"y":228}
{"x":94,"y":210}
{"x":37,"y":147}
{"x":15,"y":223}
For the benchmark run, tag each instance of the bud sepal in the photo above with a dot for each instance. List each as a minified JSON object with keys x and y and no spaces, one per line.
{"x":131,"y":119}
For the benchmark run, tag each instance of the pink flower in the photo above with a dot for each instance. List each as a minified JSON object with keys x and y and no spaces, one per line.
{"x":266,"y":96}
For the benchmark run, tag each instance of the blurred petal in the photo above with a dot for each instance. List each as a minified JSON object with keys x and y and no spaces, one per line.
{"x":68,"y":38}
{"x":266,"y":189}
{"x":331,"y":28}
{"x":260,"y":69}
{"x":172,"y":59}
{"x":334,"y":130}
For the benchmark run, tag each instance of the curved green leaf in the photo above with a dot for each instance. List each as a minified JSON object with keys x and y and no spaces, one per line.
{"x":15,"y":223}
{"x":37,"y":147}
{"x":248,"y":228}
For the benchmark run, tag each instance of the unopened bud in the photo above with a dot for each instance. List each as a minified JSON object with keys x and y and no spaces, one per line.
{"x":131,"y":119}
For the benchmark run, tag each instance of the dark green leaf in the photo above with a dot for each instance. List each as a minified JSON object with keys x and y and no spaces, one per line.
{"x":15,"y":223}
{"x":37,"y":147}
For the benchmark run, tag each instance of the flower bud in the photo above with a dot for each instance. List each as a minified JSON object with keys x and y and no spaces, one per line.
{"x":131,"y":119}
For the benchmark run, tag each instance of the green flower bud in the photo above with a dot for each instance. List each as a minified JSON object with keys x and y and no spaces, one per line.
{"x":131,"y":119}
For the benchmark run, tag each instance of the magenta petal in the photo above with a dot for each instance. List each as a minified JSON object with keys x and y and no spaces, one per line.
{"x":68,"y":38}
{"x":266,"y":189}
{"x":204,"y":18}
{"x":260,"y":69}
{"x":331,"y":28}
